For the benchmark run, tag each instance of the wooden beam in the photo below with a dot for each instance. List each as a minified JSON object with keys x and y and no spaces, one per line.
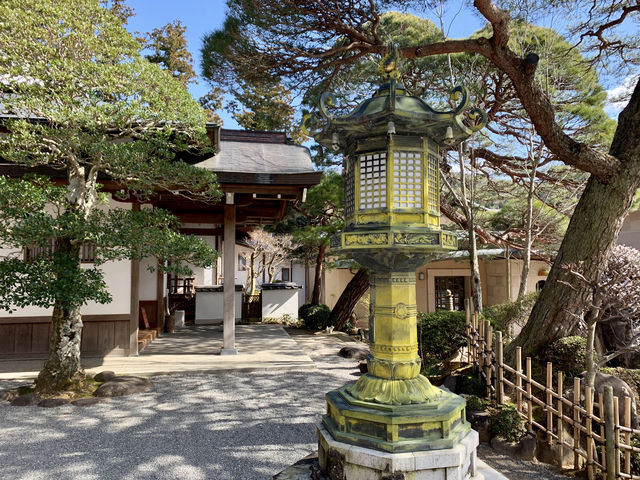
{"x":229,"y":285}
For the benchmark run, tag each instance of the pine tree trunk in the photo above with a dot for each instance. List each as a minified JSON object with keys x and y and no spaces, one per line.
{"x":352,"y":293}
{"x":317,"y":277}
{"x":592,"y":233}
{"x":62,"y":370}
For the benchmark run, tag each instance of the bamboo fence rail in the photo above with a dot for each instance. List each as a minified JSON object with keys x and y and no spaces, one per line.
{"x":581,"y":420}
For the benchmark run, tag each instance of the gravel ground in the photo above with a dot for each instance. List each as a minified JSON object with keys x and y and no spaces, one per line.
{"x":236,"y":426}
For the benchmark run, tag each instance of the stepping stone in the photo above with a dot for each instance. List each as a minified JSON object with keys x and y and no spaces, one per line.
{"x":88,"y":401}
{"x":104,"y":376}
{"x":26,"y":400}
{"x":357,"y":352}
{"x":8,"y":395}
{"x":52,"y":402}
{"x":124,"y":385}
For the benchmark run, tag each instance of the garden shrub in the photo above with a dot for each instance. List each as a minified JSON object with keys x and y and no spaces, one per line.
{"x":440,"y":335}
{"x":314,"y":317}
{"x":507,"y":423}
{"x":635,"y":456}
{"x":510,"y":313}
{"x":568,"y":354}
{"x":475,"y":404}
{"x":472,"y":385}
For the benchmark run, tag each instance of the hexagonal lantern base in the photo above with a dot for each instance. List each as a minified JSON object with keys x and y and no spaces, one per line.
{"x":349,"y":462}
{"x":396,"y":428}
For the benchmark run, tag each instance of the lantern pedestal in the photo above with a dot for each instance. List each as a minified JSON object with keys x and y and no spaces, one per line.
{"x":345,"y":461}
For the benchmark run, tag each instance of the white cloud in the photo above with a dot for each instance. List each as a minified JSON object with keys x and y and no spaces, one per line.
{"x":618,"y":97}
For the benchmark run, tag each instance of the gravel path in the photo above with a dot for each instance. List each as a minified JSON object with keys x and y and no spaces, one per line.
{"x":235,"y":426}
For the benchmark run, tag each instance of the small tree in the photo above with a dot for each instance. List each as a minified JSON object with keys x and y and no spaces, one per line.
{"x":615,"y":296}
{"x":268,"y":252}
{"x":84,"y":102}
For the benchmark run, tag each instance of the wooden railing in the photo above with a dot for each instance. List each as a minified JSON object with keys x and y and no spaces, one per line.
{"x":607,"y":434}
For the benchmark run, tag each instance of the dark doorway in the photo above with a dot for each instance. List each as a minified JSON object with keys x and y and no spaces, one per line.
{"x":444,"y":285}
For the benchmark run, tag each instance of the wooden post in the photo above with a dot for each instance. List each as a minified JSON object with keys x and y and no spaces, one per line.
{"x":229,"y":285}
{"x":576,"y":422}
{"x":467,"y":323}
{"x":481,"y":345}
{"x":588,"y":406}
{"x":549,"y":402}
{"x":560,"y":415}
{"x":488,"y":332}
{"x":616,"y":436}
{"x":519,"y":378}
{"x":529,"y":396}
{"x":609,"y":432}
{"x":134,"y":305}
{"x":499,"y":368}
{"x":627,"y":435}
{"x":474,"y":339}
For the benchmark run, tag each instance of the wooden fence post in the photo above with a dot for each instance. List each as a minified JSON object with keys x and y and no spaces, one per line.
{"x":549,"y":402}
{"x":576,"y":422}
{"x":627,"y":435}
{"x":529,"y":396}
{"x":560,"y":419}
{"x":467,"y":325}
{"x":616,"y":420}
{"x":609,"y":432}
{"x":588,"y":406}
{"x":481,"y":345}
{"x":519,"y":378}
{"x":488,"y":342}
{"x":499,"y":368}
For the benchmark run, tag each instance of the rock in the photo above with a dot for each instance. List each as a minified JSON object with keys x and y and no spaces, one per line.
{"x":481,"y":422}
{"x":364,"y":368}
{"x":26,"y":400}
{"x":451,"y":382}
{"x":527,"y":447}
{"x":504,"y":447}
{"x":124,"y":385}
{"x":621,"y":389}
{"x":356,"y":351}
{"x":53,"y":402}
{"x":8,"y":395}
{"x":104,"y":376}
{"x":88,"y":401}
{"x":557,"y":455}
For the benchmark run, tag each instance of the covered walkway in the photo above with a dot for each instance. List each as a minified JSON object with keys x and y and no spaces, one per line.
{"x":189,"y":350}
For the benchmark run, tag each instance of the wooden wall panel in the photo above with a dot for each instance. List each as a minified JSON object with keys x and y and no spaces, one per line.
{"x":7,"y":335}
{"x":22,"y":338}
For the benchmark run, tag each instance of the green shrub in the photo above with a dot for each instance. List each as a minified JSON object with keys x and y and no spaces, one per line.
{"x":510,"y":313}
{"x":475,"y":404}
{"x":440,"y":335}
{"x":568,"y":354}
{"x":507,"y":423}
{"x":314,"y":317}
{"x":635,"y":456}
{"x":472,"y":385}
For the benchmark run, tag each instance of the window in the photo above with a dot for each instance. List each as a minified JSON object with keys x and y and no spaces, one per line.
{"x":449,"y":288}
{"x":242,"y":263}
{"x":87,"y":251}
{"x":285,"y":275}
{"x":408,"y":180}
{"x":373,"y":181}
{"x":540,"y":284}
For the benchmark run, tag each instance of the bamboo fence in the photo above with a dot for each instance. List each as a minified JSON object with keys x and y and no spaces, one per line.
{"x":589,"y":424}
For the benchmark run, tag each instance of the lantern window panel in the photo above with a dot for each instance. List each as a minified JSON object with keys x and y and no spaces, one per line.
{"x":349,"y":178}
{"x":373,"y":180}
{"x":433,"y":193}
{"x":407,"y":179}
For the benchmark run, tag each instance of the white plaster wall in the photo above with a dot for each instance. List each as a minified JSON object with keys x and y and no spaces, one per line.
{"x":209,"y":307}
{"x":147,"y":286}
{"x":630,"y":233}
{"x":276,"y":303}
{"x":117,"y":276}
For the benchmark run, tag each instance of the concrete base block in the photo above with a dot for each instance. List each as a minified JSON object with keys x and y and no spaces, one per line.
{"x":341,"y":461}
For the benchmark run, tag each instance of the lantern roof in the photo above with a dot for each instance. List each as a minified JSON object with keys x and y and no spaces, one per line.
{"x":392,"y":110}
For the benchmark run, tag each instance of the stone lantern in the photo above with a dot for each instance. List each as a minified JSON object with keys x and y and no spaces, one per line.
{"x":392,"y":420}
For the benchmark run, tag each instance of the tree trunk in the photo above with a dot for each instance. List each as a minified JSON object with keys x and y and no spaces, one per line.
{"x":317,"y":277}
{"x":528,"y":241}
{"x":352,"y":293}
{"x":62,"y":370}
{"x":476,"y":284}
{"x":592,"y":233}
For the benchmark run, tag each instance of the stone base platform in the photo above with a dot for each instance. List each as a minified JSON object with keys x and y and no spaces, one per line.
{"x":309,"y":469}
{"x":342,"y":461}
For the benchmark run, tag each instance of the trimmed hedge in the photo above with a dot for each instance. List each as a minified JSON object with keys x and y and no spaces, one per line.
{"x":314,"y":317}
{"x":441,"y":334}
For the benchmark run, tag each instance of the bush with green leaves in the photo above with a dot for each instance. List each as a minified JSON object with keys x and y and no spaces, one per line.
{"x":475,"y":404}
{"x":515,"y":312}
{"x":568,"y":354}
{"x":314,"y":317}
{"x":441,"y":334}
{"x":506,"y":423}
